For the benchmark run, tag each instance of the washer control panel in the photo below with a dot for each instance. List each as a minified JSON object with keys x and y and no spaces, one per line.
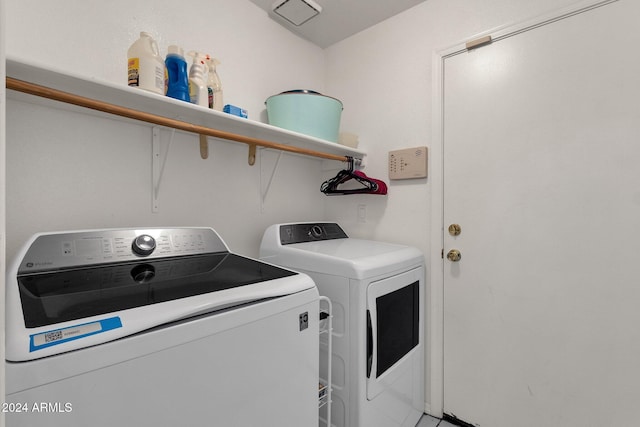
{"x":310,"y":232}
{"x":73,"y":249}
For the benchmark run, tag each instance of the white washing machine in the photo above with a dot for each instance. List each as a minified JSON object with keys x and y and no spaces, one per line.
{"x":377,"y":292}
{"x":157,"y":327}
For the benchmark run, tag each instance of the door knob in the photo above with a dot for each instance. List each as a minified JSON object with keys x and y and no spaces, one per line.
{"x":454,"y":255}
{"x":455,"y":229}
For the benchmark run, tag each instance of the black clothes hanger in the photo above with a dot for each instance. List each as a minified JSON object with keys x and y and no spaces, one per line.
{"x":368,"y":185}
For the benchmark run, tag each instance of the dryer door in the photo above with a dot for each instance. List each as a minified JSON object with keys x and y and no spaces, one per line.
{"x":394,"y":328}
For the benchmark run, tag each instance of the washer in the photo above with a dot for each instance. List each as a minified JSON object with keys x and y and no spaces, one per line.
{"x":152,"y":327}
{"x":377,"y":292}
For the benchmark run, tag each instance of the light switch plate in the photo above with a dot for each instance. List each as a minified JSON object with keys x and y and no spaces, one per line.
{"x":408,"y":163}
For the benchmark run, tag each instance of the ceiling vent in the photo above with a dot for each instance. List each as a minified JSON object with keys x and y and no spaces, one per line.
{"x":296,"y":11}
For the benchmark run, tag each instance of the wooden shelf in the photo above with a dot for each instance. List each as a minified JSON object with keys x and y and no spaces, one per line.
{"x":157,"y":105}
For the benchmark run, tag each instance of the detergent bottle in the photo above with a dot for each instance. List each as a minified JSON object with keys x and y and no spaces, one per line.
{"x":214,"y":86}
{"x":177,"y":77}
{"x":197,"y":79}
{"x":145,"y":66}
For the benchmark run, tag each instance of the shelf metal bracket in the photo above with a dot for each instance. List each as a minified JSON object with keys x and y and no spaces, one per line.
{"x":158,"y":162}
{"x":265,"y":191}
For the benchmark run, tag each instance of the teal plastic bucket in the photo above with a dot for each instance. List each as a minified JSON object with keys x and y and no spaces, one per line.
{"x":307,"y":112}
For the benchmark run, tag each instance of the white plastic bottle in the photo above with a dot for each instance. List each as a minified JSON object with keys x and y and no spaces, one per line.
{"x":145,"y":65}
{"x":198,"y":79}
{"x":214,"y":85}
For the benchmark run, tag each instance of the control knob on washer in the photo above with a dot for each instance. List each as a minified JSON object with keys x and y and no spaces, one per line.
{"x":143,"y":245}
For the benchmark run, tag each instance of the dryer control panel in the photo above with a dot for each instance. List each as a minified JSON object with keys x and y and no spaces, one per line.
{"x":310,"y":232}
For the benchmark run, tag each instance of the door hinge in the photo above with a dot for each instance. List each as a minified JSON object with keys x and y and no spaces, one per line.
{"x":473,"y":44}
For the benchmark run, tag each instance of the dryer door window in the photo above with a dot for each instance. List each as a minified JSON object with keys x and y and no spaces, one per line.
{"x":394,"y":328}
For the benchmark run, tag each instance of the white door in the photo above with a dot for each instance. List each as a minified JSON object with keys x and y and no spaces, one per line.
{"x":542,"y":173}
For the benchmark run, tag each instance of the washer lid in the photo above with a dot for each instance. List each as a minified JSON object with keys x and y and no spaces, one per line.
{"x":61,"y":296}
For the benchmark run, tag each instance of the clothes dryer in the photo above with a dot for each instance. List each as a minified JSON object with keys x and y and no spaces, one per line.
{"x":377,"y":292}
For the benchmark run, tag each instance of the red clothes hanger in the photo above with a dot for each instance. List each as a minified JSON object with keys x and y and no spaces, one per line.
{"x":368,"y":185}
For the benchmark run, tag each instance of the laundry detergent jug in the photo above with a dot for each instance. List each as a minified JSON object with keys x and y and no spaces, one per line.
{"x":145,"y":66}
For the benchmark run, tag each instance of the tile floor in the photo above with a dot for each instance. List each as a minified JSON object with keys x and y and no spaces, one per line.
{"x":429,"y":421}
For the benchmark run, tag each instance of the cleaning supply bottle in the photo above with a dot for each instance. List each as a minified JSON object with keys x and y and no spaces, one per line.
{"x":145,"y":66}
{"x":214,"y":86}
{"x":198,"y":79}
{"x":177,"y":77}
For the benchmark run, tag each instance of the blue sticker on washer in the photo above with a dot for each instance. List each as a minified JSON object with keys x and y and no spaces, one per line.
{"x":60,"y":336}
